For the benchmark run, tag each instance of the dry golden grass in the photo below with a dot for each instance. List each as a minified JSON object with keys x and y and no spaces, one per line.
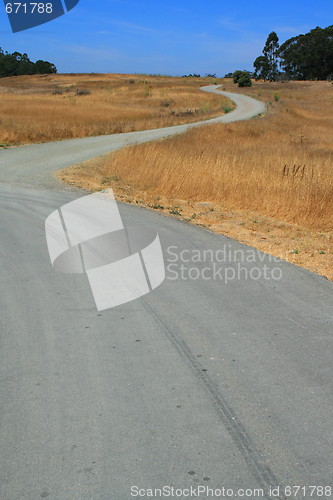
{"x":48,"y":107}
{"x":267,"y":182}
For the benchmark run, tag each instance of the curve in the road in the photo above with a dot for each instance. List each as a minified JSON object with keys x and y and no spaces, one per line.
{"x":32,"y":165}
{"x":199,"y":382}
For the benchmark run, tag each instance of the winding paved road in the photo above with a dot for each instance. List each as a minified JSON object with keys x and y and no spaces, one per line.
{"x":34,"y":164}
{"x":198,"y":383}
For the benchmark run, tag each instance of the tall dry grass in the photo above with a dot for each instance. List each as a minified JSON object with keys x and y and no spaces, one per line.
{"x":280,"y":165}
{"x":51,"y":107}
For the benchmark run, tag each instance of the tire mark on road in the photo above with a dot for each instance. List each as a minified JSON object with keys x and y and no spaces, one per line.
{"x":262,"y":472}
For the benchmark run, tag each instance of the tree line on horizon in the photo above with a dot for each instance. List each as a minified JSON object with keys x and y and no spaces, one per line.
{"x":302,"y":57}
{"x":16,"y":64}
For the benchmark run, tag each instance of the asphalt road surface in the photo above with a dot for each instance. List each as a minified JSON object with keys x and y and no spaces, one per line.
{"x":218,"y":378}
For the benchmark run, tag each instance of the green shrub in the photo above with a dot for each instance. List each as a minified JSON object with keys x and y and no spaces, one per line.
{"x":237,"y":75}
{"x":226,"y":108}
{"x":244,"y":80}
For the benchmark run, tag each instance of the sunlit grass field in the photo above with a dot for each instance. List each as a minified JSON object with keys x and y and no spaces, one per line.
{"x":43,"y":108}
{"x":270,"y":178}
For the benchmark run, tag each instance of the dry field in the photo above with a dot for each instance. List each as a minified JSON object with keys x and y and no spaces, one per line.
{"x":267,"y":182}
{"x":51,"y":107}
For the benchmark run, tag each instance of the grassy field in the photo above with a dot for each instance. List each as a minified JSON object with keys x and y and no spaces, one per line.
{"x":267,"y":182}
{"x":51,"y":107}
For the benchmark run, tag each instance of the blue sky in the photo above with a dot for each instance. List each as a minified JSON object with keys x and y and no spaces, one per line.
{"x":173,"y":37}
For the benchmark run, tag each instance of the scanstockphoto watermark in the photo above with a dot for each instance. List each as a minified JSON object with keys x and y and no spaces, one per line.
{"x":123,"y":262}
{"x":198,"y":491}
{"x":225,"y":264}
{"x":295,"y":491}
{"x":88,"y":236}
